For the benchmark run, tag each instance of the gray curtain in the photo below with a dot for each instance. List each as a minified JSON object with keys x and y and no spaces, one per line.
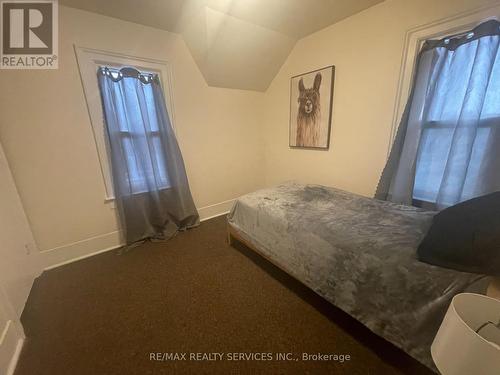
{"x":149,"y":179}
{"x":448,"y":143}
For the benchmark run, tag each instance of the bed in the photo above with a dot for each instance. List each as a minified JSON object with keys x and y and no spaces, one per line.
{"x":358,"y":253}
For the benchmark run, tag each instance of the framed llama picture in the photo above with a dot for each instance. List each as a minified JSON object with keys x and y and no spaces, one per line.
{"x":311,"y":101}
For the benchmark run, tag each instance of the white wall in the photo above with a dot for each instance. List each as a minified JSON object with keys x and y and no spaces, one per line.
{"x":19,"y":262}
{"x":19,"y":266}
{"x":47,"y":136}
{"x":11,"y":335}
{"x":366,"y":50}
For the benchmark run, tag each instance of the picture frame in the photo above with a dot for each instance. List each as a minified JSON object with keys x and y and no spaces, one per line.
{"x":311,"y":107}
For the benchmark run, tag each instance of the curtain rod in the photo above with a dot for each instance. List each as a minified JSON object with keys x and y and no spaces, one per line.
{"x":127,"y":71}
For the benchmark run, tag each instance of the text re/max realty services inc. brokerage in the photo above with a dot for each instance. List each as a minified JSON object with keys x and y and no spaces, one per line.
{"x":238,"y":356}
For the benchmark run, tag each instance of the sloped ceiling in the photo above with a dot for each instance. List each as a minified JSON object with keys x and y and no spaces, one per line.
{"x":238,"y":44}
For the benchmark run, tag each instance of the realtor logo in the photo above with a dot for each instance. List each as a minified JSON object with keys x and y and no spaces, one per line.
{"x":29,"y":34}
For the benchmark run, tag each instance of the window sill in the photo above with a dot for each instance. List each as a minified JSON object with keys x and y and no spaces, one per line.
{"x":112,"y":199}
{"x":109,"y":199}
{"x":426,"y":205}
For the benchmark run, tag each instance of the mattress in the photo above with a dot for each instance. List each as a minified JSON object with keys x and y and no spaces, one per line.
{"x":359,"y":254}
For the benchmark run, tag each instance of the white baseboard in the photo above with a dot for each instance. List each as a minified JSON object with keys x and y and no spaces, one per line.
{"x":15,"y":357}
{"x":214,"y":210}
{"x":10,"y":348}
{"x":72,"y":252}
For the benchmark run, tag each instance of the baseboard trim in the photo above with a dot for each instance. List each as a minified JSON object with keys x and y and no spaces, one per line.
{"x":69,"y":253}
{"x":72,"y":252}
{"x":214,"y":210}
{"x":15,"y":358}
{"x":10,"y":348}
{"x":52,"y":266}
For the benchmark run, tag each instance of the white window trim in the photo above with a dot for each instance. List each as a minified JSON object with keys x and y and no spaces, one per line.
{"x":88,"y":62}
{"x":414,"y":39}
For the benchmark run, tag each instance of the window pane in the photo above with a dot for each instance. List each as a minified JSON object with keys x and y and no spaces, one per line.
{"x":136,"y":178}
{"x":432,"y":158}
{"x":477,"y":158}
{"x":141,"y":142}
{"x":152,"y":115}
{"x":162,"y":166}
{"x":491,"y":108}
{"x":433,"y":153}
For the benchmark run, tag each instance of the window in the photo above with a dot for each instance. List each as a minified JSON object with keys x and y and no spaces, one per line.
{"x":136,"y":135}
{"x":460,"y":122}
{"x":89,"y":61}
{"x":445,"y":138}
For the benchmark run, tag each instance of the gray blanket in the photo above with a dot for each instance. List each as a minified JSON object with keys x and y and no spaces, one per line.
{"x":359,"y":254}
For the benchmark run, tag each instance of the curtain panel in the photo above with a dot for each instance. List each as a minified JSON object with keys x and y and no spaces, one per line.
{"x":447,"y":146}
{"x":149,"y":178}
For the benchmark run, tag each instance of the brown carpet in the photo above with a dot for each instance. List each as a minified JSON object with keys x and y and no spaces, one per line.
{"x":194,"y":293}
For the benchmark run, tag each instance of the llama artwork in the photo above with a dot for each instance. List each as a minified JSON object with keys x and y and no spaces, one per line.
{"x":309,"y":114}
{"x":310,"y":109}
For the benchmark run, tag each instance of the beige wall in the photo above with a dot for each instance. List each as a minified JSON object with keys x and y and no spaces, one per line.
{"x":47,"y":136}
{"x":366,"y":50}
{"x":19,"y":265}
{"x":19,"y":261}
{"x":233,"y":141}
